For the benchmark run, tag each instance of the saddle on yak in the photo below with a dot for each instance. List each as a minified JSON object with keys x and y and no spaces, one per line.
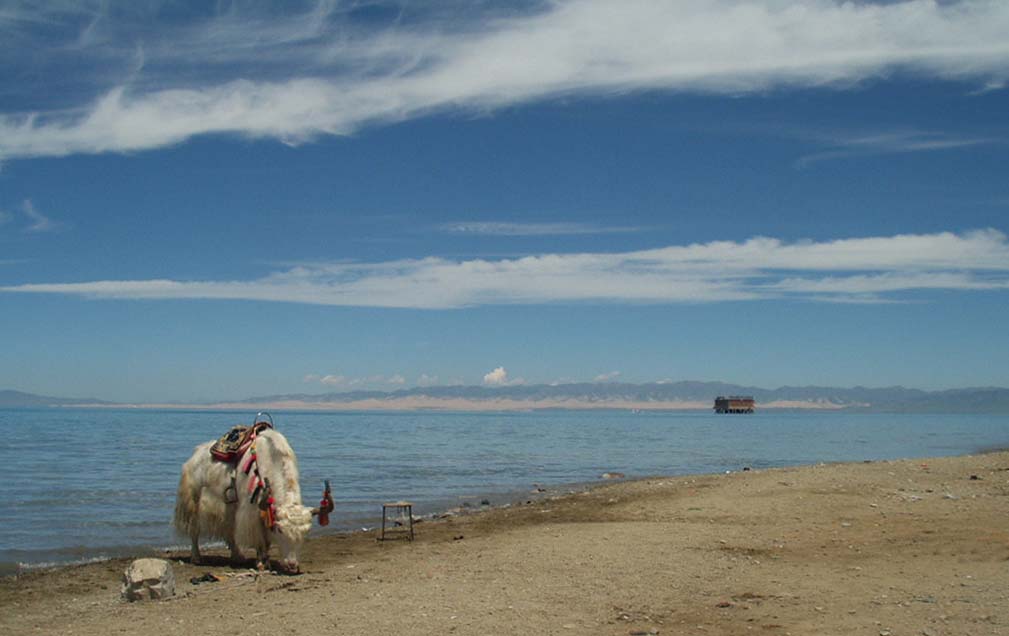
{"x":233,"y":443}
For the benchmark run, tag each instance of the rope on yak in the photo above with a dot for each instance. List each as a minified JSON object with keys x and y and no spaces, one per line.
{"x":259,"y":488}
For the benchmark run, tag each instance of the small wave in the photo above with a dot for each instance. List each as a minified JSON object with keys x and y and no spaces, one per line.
{"x":21,"y":566}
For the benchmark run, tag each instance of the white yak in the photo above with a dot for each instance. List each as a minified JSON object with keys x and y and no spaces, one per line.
{"x":210,"y":505}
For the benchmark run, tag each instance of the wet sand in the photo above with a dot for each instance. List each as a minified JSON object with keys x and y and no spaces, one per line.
{"x":900,"y":548}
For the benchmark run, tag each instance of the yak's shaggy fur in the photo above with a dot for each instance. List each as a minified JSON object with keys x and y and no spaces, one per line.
{"x":201,"y":510}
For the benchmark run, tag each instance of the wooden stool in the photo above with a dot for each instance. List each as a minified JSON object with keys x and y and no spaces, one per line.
{"x":398,"y":509}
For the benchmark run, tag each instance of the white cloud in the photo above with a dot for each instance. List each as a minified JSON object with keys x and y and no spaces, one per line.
{"x":607,"y":377}
{"x":531,"y":229}
{"x":37,"y":222}
{"x":396,"y":379}
{"x":188,"y":80}
{"x":427,"y":380}
{"x":859,"y":269}
{"x":497,"y":377}
{"x":334,"y":380}
{"x":892,"y":142}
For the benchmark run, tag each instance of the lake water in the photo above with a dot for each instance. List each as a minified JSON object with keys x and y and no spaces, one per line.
{"x":83,"y":484}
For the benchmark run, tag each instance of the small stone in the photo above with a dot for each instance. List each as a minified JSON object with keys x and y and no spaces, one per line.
{"x":148,"y":579}
{"x":949,"y":496}
{"x":613,"y":475}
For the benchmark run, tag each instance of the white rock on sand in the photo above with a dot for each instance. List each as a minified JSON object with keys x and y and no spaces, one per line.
{"x":148,"y":579}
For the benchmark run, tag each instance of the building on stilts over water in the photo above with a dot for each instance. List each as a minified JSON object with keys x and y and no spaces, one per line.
{"x":734,"y":404}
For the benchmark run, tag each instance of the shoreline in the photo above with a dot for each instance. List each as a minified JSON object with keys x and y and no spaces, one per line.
{"x":364,"y":525}
{"x":901,"y":546}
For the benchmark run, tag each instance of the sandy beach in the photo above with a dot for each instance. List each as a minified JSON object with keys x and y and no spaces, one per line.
{"x":911,"y":547}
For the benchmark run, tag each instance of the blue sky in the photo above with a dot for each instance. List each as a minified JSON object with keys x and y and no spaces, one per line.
{"x":202,"y":204}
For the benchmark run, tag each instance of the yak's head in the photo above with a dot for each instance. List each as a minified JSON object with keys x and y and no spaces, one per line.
{"x":292,"y":525}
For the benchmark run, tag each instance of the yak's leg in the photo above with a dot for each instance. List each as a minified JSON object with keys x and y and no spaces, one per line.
{"x":263,"y":551}
{"x":194,"y":535}
{"x":236,"y":554}
{"x":262,"y":558}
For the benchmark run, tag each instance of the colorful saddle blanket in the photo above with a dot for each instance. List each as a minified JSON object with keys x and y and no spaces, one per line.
{"x":235,"y":442}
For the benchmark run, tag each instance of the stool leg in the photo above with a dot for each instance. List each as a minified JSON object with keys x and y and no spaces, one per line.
{"x":383,"y":524}
{"x":409,"y":515}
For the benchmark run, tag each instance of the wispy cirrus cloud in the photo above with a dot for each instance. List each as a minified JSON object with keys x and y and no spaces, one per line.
{"x":841,"y":146}
{"x":324,"y":71}
{"x":490,"y":228}
{"x":32,"y":220}
{"x":870,"y":269}
{"x":37,"y":222}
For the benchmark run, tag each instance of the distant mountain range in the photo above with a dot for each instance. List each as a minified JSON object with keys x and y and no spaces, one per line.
{"x":17,"y":399}
{"x":670,"y":395}
{"x":686,"y":394}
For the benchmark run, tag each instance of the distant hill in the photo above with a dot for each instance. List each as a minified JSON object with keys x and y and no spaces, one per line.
{"x":702,"y":394}
{"x":656,"y":395}
{"x":17,"y":399}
